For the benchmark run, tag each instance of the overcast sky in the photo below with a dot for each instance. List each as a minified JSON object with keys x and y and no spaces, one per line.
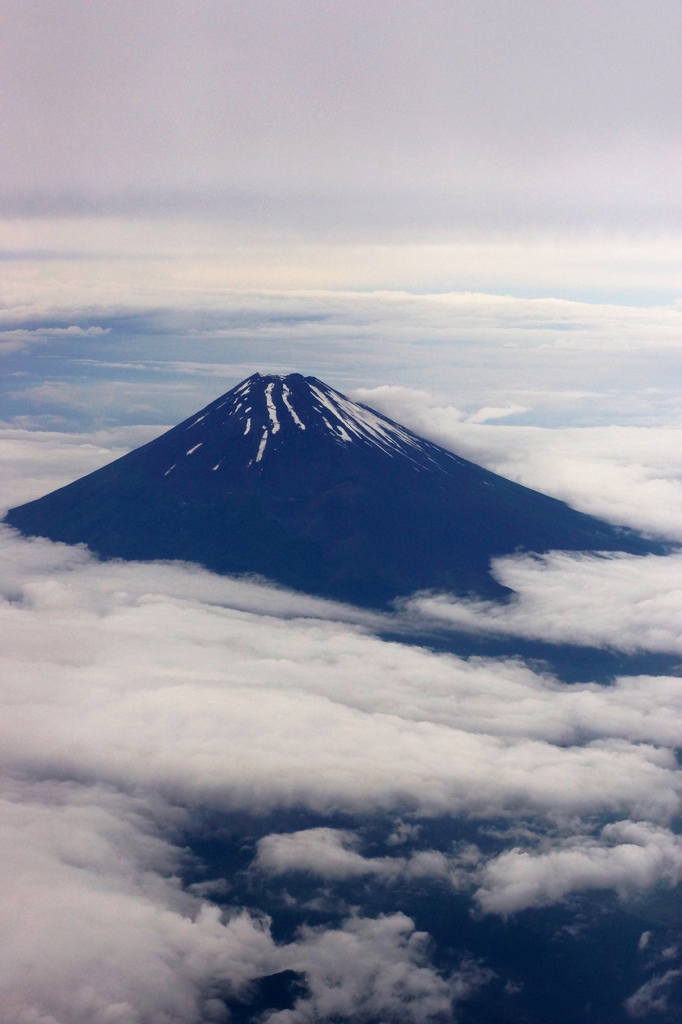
{"x":178,"y":127}
{"x":488,"y":113}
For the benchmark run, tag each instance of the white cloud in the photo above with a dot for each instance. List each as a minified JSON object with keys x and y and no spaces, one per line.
{"x":566,"y":362}
{"x":36,"y":462}
{"x":327,"y":852}
{"x":96,"y":929}
{"x":627,"y":602}
{"x":375,"y":970}
{"x":333,"y":854}
{"x":491,"y":412}
{"x":266,"y":715}
{"x":147,"y":690}
{"x":628,"y":857}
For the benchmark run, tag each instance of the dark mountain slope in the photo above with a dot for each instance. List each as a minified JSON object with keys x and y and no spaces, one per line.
{"x":285,"y":477}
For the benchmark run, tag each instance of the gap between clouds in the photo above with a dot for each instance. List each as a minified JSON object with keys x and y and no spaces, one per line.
{"x":97,"y":930}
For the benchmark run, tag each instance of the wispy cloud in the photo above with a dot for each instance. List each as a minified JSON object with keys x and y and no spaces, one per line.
{"x":183,"y":336}
{"x":12,"y":340}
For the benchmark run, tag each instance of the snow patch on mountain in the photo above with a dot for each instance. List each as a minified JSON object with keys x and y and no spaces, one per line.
{"x":292,"y":411}
{"x":272,"y":411}
{"x":260,"y":419}
{"x":261,"y":446}
{"x":271,"y":406}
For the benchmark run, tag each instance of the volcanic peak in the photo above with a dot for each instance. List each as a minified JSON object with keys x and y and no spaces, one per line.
{"x":264,"y":413}
{"x":287,"y":478}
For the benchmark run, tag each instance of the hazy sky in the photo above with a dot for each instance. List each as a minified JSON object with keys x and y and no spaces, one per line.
{"x":484,"y":113}
{"x":198,"y":128}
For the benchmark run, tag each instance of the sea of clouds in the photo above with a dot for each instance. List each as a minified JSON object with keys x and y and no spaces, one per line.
{"x":136,"y":697}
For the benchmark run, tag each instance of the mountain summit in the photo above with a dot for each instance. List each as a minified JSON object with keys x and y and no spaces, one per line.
{"x":287,"y":478}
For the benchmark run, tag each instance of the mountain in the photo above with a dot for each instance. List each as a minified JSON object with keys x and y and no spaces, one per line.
{"x":287,"y":478}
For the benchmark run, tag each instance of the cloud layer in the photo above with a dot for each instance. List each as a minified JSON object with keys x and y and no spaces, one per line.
{"x":484,"y":369}
{"x":138,"y":697}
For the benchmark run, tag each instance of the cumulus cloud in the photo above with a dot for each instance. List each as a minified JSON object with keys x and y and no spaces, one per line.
{"x":326,"y":852}
{"x":628,"y":857}
{"x":333,"y":854}
{"x":375,"y":970}
{"x":96,"y":927}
